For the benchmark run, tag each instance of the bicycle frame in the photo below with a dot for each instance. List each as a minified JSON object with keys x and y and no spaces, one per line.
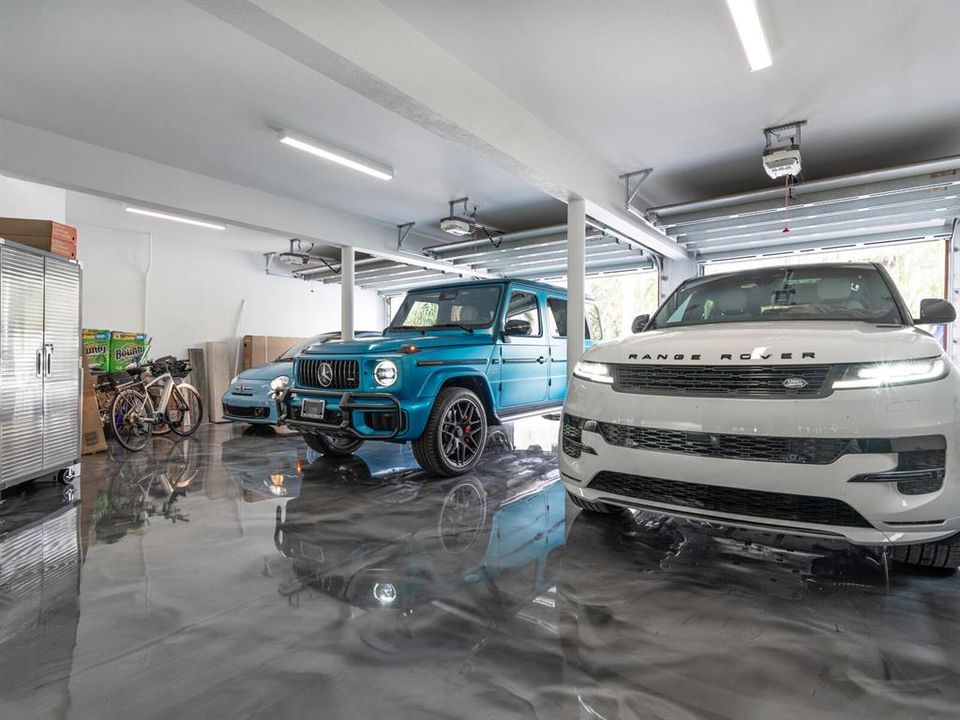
{"x":169,"y":385}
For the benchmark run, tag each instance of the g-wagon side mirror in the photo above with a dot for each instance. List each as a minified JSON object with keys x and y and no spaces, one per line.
{"x":517,"y":326}
{"x":639,"y":323}
{"x":936,"y":311}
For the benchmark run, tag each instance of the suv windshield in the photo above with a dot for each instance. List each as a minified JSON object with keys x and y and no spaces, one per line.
{"x":456,"y":307}
{"x":796,"y":293}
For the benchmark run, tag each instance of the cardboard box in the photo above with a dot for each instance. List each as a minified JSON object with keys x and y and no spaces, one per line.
{"x":262,"y":349}
{"x":126,"y":349}
{"x":92,"y":438}
{"x":48,"y":235}
{"x":96,"y":348}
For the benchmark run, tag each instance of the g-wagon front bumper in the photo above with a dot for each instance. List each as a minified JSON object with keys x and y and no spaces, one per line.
{"x":363,"y":415}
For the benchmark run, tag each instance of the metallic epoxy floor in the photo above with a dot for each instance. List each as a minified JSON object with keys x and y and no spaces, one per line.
{"x":239,"y":575}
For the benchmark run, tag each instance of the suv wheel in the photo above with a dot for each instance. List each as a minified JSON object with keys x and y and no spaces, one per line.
{"x":456,"y":433}
{"x":939,"y":554}
{"x":332,"y":444}
{"x":594,"y":507}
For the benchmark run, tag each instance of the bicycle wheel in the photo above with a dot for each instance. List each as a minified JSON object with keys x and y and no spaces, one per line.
{"x":185,"y":411}
{"x":127,"y":419}
{"x":160,"y":427}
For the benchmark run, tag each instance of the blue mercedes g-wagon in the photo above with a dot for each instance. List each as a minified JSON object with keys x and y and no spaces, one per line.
{"x":456,"y":360}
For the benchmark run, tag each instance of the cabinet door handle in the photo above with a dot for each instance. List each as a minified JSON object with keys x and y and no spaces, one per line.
{"x":49,"y":350}
{"x":39,"y":363}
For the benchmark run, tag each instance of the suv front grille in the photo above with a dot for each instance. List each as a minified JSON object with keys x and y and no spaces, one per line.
{"x":344,"y":374}
{"x":724,"y":380}
{"x":242,"y":411}
{"x":735,"y":501}
{"x":815,"y":451}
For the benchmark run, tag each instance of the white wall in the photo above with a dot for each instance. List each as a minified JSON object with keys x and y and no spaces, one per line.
{"x":22,"y":199}
{"x":196,"y":290}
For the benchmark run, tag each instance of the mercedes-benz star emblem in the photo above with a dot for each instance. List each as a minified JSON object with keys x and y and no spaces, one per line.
{"x":326,"y":374}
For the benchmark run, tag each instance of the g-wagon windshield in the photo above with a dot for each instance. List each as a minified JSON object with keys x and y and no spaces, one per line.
{"x":455,"y":307}
{"x":832,"y":292}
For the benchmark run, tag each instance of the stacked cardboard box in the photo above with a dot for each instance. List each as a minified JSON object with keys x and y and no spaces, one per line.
{"x":262,"y":349}
{"x":92,"y":439}
{"x":53,"y":237}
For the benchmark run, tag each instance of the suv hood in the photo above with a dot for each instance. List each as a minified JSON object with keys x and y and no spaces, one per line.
{"x":770,"y":343}
{"x":391,"y":342}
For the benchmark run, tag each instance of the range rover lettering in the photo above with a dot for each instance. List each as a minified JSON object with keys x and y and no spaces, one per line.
{"x":798,"y":399}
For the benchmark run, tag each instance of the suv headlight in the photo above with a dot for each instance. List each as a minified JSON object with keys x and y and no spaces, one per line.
{"x":885,"y":374}
{"x":279,"y":383}
{"x":594,"y":371}
{"x":385,"y":373}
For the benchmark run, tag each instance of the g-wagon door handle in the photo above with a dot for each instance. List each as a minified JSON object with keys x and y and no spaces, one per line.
{"x":541,"y":359}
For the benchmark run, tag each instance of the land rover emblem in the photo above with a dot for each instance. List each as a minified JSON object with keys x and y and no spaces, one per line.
{"x":795,"y":383}
{"x":326,"y":375}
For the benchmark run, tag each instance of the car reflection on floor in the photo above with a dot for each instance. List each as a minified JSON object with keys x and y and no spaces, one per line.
{"x":683,"y":620}
{"x":477,"y":544}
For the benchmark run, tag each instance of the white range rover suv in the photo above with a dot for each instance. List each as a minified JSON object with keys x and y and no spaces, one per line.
{"x":795,"y":399}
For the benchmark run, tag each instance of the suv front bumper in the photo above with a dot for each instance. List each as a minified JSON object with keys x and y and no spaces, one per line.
{"x":364,"y":415}
{"x":816,"y":498}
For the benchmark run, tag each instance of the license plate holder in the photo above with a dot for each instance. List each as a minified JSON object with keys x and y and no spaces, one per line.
{"x":313,"y":409}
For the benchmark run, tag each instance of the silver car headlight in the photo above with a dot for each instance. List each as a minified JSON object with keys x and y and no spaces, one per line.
{"x":281,"y":382}
{"x":885,"y":374}
{"x":593,"y":371}
{"x":385,"y":373}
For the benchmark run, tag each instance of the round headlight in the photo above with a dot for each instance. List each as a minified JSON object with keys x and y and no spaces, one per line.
{"x":280,"y":383}
{"x":385,"y":373}
{"x":385,"y":593}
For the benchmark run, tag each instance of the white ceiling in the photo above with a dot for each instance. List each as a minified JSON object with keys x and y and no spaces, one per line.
{"x":666,"y":84}
{"x":654,"y":83}
{"x":166,"y":81}
{"x":84,"y":209}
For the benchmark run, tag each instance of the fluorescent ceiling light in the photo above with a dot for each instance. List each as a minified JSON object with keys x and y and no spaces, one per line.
{"x":175,"y":218}
{"x":746,"y":16}
{"x":335,"y":154}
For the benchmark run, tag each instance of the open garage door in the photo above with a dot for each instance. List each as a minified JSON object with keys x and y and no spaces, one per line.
{"x":903,"y":217}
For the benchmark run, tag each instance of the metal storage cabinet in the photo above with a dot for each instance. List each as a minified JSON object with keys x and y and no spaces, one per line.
{"x":39,"y":363}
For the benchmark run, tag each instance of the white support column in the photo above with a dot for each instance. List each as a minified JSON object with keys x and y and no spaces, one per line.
{"x":953,"y":291}
{"x":674,"y":272}
{"x":576,"y":280}
{"x":346,"y":293}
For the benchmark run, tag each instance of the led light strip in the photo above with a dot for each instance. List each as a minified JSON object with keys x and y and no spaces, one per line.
{"x":334,"y":154}
{"x":174,"y":218}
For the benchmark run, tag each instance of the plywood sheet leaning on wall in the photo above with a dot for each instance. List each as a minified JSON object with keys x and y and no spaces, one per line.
{"x":198,"y":377}
{"x":217,"y":358}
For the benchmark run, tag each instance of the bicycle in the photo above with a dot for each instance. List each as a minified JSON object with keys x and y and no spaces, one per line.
{"x":164,"y":401}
